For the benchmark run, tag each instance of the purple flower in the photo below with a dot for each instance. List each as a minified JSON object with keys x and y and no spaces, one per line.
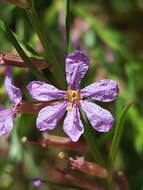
{"x":7,"y":114}
{"x":105,"y":90}
{"x":37,"y":182}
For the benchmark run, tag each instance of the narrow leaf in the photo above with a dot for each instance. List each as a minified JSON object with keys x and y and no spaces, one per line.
{"x":57,"y":68}
{"x":118,"y":133}
{"x":22,"y":54}
{"x":116,"y":142}
{"x":68,"y":25}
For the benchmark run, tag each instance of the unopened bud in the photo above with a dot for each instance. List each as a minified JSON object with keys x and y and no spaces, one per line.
{"x":24,"y":139}
{"x":61,"y":155}
{"x":24,"y":4}
{"x":37,"y":182}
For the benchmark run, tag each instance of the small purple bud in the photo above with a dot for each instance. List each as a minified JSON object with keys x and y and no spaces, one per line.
{"x":37,"y":182}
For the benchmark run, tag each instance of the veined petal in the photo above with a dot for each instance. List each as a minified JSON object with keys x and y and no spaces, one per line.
{"x":50,"y":115}
{"x":14,"y":93}
{"x":73,"y":126}
{"x":44,"y":92}
{"x":76,"y":66}
{"x":6,"y":120}
{"x":100,"y":119}
{"x":105,"y":90}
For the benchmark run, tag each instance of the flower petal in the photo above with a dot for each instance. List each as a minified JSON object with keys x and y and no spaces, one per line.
{"x":73,"y":126}
{"x":76,"y":66}
{"x":105,"y":90}
{"x":14,"y":93}
{"x":100,"y":119}
{"x":6,"y":120}
{"x":50,"y":115}
{"x":44,"y":92}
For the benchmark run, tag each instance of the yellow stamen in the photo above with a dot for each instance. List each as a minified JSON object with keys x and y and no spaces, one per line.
{"x":73,"y":96}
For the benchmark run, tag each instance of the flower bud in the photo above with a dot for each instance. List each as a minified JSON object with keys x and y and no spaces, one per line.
{"x":37,"y":182}
{"x":24,"y":4}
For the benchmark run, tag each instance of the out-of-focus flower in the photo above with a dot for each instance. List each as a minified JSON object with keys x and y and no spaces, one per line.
{"x":36,"y":182}
{"x":79,"y":27}
{"x":105,"y":90}
{"x":20,"y":3}
{"x":7,"y":114}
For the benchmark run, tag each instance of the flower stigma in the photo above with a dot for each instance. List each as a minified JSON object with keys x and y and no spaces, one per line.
{"x":72,"y":96}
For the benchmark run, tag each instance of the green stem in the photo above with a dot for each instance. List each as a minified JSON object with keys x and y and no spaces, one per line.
{"x":68,"y":25}
{"x":57,"y":68}
{"x":23,"y":55}
{"x":15,"y":145}
{"x":116,"y":142}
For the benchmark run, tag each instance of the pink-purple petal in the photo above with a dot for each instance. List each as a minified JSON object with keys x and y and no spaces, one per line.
{"x":6,"y":120}
{"x":50,"y":115}
{"x":73,"y":126}
{"x":76,"y":66}
{"x":14,"y":93}
{"x":105,"y":90}
{"x":100,"y":119}
{"x":44,"y":92}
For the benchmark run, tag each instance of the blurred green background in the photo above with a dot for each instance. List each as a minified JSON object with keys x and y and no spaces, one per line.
{"x":111,"y":32}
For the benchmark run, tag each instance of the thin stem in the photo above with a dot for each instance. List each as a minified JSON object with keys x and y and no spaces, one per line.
{"x":116,"y":142}
{"x":57,"y":68}
{"x":23,"y":55}
{"x":68,"y":25}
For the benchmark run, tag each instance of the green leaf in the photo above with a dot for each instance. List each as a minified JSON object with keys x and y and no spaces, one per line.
{"x":15,"y":151}
{"x":118,"y":133}
{"x":57,"y":68}
{"x":38,"y":74}
{"x":27,"y":46}
{"x":68,"y":25}
{"x":116,"y":142}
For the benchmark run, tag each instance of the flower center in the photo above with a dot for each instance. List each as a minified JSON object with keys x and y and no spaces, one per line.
{"x":73,"y":96}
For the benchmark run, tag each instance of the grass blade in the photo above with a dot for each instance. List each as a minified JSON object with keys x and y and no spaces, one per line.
{"x":68,"y":25}
{"x":118,"y":133}
{"x":57,"y":68}
{"x":38,"y":74}
{"x":116,"y":140}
